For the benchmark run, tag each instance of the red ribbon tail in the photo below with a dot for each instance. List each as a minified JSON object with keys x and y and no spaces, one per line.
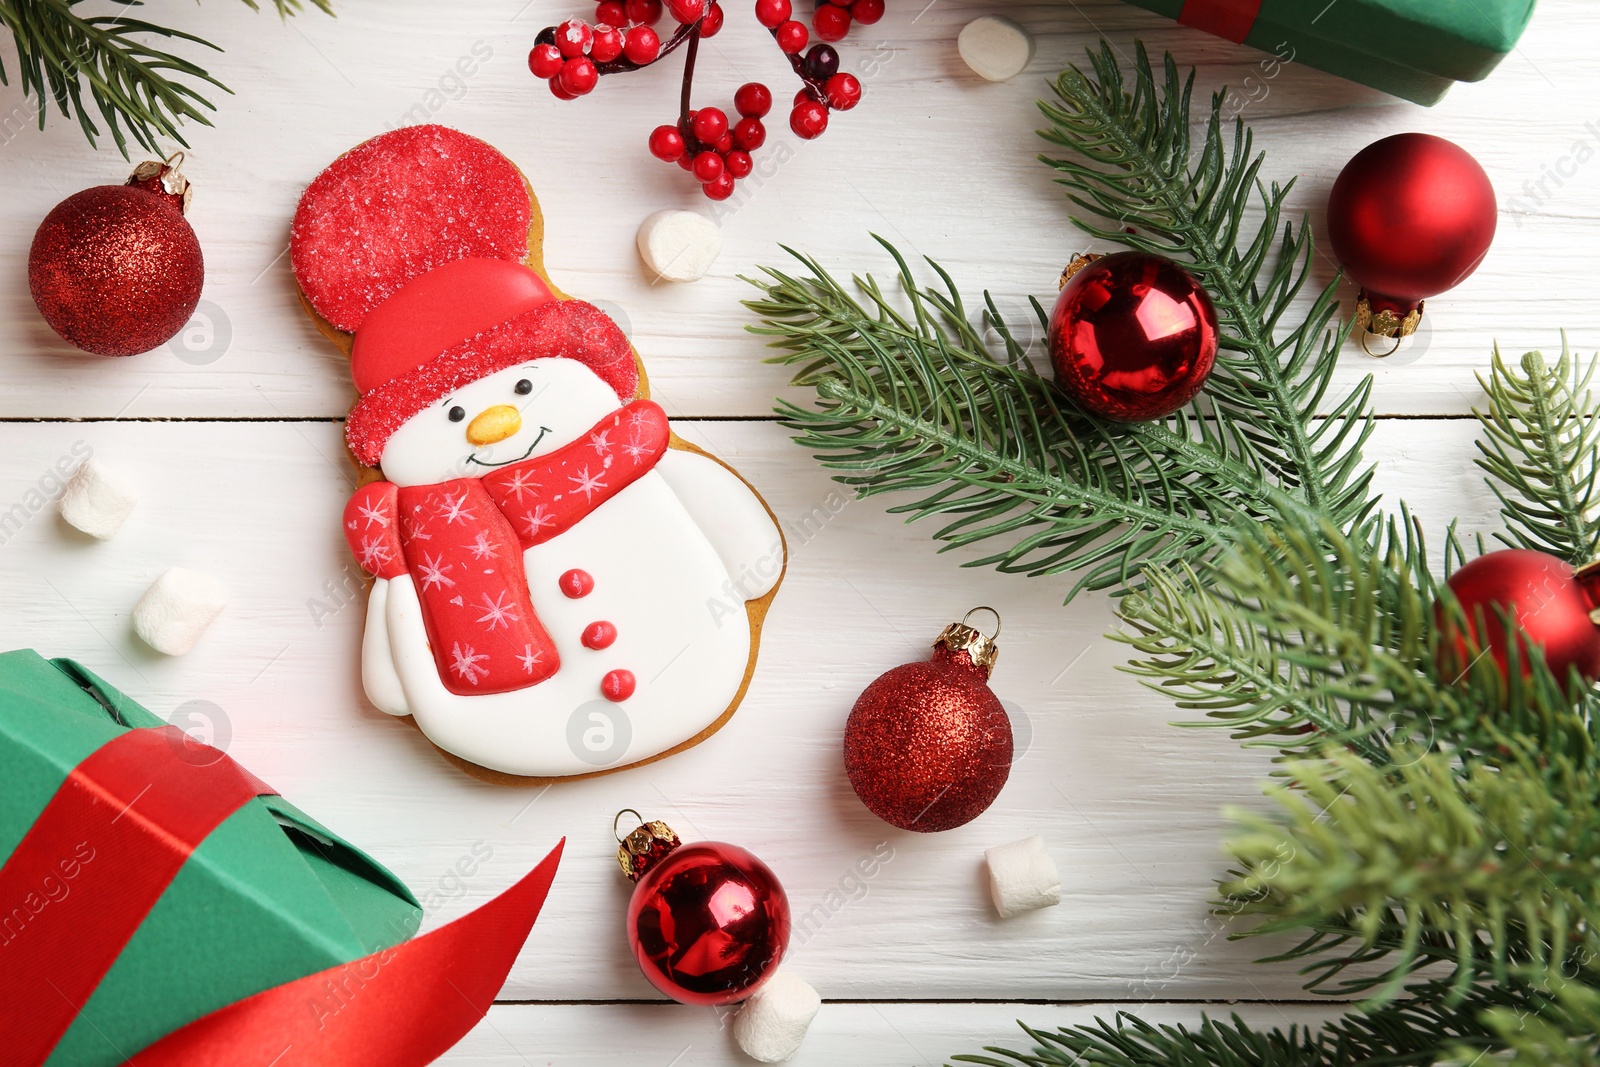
{"x":397,"y":1007}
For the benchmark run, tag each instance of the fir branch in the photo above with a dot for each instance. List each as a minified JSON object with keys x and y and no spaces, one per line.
{"x":1488,"y":1020}
{"x":1498,"y":866}
{"x":139,"y":90}
{"x":1129,"y":1041}
{"x":1131,"y":163}
{"x":1301,"y":635}
{"x":1541,"y":448}
{"x":1298,"y":636}
{"x":1564,"y":1031}
{"x":914,"y":401}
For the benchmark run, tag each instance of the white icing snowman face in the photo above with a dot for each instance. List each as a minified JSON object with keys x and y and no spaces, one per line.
{"x":514,"y":414}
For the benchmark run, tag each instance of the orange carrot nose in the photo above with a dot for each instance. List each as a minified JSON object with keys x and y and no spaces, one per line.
{"x":494,"y":424}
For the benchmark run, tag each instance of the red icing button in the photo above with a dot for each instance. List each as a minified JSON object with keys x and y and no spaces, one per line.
{"x":618,"y":685}
{"x":576,"y":583}
{"x":600,"y":635}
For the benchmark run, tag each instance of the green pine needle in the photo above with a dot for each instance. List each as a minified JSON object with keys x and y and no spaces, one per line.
{"x":1540,"y":446}
{"x":138,"y":90}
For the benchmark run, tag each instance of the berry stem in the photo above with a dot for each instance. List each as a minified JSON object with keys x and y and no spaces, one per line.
{"x":688,"y":76}
{"x":797,"y":61}
{"x":811,"y":83}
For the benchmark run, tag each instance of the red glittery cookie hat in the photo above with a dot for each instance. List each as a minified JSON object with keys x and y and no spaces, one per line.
{"x":417,"y":242}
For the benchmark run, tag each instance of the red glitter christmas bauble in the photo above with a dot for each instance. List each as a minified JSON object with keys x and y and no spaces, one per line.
{"x":1409,"y":217}
{"x":928,"y":745}
{"x":1550,"y":603}
{"x":117,"y":269}
{"x":1133,"y":336}
{"x":708,"y":922}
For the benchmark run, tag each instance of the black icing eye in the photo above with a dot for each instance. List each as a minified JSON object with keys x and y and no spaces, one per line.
{"x":457,"y":414}
{"x":524,"y":387}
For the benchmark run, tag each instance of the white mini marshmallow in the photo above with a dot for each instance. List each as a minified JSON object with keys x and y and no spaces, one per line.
{"x":680,"y":246}
{"x":1022,"y":877}
{"x":773,"y":1022}
{"x":995,"y":47}
{"x":96,"y":501}
{"x":177,"y":608}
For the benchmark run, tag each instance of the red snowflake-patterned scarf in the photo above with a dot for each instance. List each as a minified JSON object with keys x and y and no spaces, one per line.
{"x":462,"y":542}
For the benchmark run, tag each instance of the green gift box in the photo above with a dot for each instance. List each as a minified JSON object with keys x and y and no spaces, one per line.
{"x":1415,"y":49}
{"x":266,"y":897}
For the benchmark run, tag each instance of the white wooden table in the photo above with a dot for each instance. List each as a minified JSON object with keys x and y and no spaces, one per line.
{"x":236,"y":447}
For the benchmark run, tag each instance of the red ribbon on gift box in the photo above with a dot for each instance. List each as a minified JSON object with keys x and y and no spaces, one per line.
{"x":398,"y":1007}
{"x":1232,"y":19}
{"x":144,"y":801}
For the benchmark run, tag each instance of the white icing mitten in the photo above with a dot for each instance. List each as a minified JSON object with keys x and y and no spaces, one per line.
{"x":1022,"y":877}
{"x":177,"y":608}
{"x":773,"y":1022}
{"x":995,"y":47}
{"x":96,"y":501}
{"x":679,"y":246}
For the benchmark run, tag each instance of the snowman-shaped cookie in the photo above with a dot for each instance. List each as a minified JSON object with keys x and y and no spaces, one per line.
{"x":561,"y":586}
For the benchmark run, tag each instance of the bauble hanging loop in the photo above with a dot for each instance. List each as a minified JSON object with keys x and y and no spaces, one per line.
{"x":998,"y":622}
{"x":644,"y":845}
{"x":617,"y":821}
{"x":165,"y":177}
{"x":979,"y":646}
{"x":1366,"y":334}
{"x":708,"y":922}
{"x":1409,"y":217}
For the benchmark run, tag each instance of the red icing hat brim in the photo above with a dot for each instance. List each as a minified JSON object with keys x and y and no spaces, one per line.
{"x":438,"y":311}
{"x":568,"y":329}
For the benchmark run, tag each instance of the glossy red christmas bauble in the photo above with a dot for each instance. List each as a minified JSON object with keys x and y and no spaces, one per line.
{"x":1549,"y":603}
{"x":928,"y":745}
{"x":116,"y":269}
{"x":1133,"y":336}
{"x":708,"y":923}
{"x":1410,"y":217}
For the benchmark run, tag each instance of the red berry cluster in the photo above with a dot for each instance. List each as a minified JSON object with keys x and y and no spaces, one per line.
{"x":825,"y":85}
{"x":833,"y":17}
{"x":717,"y":154}
{"x":574,"y":55}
